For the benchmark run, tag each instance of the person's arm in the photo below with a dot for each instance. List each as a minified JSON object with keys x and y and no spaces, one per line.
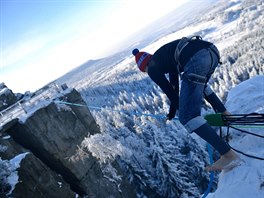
{"x":161,"y":80}
{"x":174,"y":81}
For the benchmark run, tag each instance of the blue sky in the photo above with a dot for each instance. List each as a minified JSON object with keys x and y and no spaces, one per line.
{"x":41,"y":40}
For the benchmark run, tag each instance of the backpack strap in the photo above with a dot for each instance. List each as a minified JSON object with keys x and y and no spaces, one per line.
{"x":181,"y":45}
{"x":213,"y":50}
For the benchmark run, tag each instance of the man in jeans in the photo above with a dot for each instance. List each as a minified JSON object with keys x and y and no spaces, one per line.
{"x":194,"y":60}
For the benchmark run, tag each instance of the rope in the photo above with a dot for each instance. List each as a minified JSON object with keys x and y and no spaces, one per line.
{"x":252,"y":120}
{"x":251,"y":156}
{"x":243,"y":131}
{"x":211,"y":176}
{"x":209,"y":149}
{"x":100,"y":108}
{"x":241,"y":152}
{"x":247,"y":126}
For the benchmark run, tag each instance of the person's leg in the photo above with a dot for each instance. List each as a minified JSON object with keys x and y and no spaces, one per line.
{"x":226,"y":162}
{"x":191,"y":96}
{"x":189,"y":115}
{"x":213,"y":99}
{"x":207,"y":133}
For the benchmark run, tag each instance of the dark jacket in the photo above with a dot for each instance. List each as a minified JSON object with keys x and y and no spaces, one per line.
{"x":163,"y":62}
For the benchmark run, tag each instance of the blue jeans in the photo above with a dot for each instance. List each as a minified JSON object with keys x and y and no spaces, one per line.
{"x":196,"y":74}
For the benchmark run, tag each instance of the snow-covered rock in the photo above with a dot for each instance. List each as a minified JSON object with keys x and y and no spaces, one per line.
{"x":161,"y":157}
{"x":54,"y":133}
{"x":22,"y":174}
{"x":246,"y":180}
{"x":7,"y":97}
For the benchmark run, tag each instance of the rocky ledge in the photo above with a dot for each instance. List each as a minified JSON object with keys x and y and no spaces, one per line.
{"x":43,"y":150}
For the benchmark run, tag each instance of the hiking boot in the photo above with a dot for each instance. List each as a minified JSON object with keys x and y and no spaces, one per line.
{"x":226,"y":162}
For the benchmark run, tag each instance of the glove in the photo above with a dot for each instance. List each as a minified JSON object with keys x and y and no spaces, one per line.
{"x":172,"y":112}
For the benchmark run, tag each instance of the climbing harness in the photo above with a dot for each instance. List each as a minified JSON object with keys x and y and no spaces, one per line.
{"x":184,"y":41}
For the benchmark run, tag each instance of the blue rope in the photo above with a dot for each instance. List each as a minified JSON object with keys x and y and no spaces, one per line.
{"x":210,"y":152}
{"x":69,"y":103}
{"x":100,"y":108}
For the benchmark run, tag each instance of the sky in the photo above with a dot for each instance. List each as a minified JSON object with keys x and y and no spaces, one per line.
{"x":40,"y":40}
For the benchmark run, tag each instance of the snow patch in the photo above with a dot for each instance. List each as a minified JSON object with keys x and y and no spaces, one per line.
{"x":246,"y":180}
{"x":3,"y":148}
{"x":104,"y":147}
{"x":247,"y":97}
{"x":14,"y":164}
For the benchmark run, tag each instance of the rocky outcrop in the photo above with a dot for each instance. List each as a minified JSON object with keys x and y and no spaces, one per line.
{"x":7,"y":97}
{"x":53,"y":135}
{"x":27,"y":177}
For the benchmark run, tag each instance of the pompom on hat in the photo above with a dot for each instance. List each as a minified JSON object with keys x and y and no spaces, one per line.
{"x":142,"y":59}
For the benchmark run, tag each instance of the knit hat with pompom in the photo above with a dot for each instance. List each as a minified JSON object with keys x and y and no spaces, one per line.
{"x":142,"y":59}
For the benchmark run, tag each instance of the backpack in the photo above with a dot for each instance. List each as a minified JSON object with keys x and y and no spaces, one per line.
{"x":182,"y":44}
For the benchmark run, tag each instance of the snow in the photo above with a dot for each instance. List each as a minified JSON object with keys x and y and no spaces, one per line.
{"x":246,"y":180}
{"x":236,"y":6}
{"x":13,"y":165}
{"x":104,"y":147}
{"x":5,"y":91}
{"x":238,"y":99}
{"x":243,"y":181}
{"x":121,"y":92}
{"x":26,"y":107}
{"x":3,"y":148}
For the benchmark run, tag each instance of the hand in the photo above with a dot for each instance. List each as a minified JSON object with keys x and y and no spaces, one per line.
{"x":172,"y":112}
{"x":170,"y":117}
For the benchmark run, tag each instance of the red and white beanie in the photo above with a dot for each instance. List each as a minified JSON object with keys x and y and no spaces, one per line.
{"x":142,"y":59}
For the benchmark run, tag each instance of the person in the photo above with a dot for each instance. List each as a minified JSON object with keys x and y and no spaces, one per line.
{"x":194,"y":60}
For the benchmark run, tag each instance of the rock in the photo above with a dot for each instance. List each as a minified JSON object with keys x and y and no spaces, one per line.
{"x":54,"y":133}
{"x":40,"y":181}
{"x":35,"y":179}
{"x":7,"y":97}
